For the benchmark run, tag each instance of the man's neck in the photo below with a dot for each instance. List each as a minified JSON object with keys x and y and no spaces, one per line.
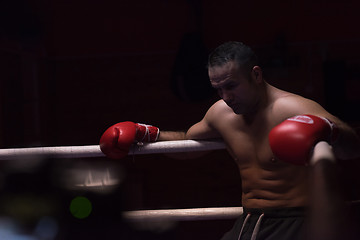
{"x":260,"y":105}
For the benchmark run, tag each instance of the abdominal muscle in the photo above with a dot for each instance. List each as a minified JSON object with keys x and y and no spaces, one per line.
{"x":277,"y":186}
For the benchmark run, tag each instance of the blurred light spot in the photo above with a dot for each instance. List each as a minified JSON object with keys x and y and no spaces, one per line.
{"x":80,"y":207}
{"x":47,"y":228}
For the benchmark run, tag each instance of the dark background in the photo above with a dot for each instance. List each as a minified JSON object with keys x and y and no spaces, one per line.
{"x":70,"y":69}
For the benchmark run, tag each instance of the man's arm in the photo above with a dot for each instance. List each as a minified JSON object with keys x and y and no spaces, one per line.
{"x":347,"y":143}
{"x":117,"y":140}
{"x":198,"y":131}
{"x":172,"y":135}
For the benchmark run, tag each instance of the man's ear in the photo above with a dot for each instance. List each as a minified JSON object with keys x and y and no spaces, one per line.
{"x":256,"y":74}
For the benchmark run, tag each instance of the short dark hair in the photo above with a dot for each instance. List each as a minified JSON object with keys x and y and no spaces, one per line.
{"x":233,"y":51}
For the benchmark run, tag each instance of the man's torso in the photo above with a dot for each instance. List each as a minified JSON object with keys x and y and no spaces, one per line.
{"x":266,"y":182}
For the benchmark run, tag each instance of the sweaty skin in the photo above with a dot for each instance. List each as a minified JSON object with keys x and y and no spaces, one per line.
{"x":249,"y":108}
{"x":266,"y":182}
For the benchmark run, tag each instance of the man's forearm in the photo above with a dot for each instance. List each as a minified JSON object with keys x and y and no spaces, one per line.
{"x":171,"y":135}
{"x":178,"y":135}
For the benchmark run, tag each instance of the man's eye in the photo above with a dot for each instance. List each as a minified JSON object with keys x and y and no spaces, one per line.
{"x":228,"y":87}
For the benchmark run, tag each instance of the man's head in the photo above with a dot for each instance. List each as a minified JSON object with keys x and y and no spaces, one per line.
{"x":234,"y":73}
{"x":233,"y":51}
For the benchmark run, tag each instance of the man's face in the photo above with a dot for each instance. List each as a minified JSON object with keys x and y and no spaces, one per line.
{"x":234,"y":86}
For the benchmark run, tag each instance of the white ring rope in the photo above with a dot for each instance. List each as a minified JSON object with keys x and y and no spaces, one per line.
{"x":322,"y":151}
{"x":94,"y":150}
{"x":190,"y":214}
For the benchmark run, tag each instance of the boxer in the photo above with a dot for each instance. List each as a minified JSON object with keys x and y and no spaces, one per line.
{"x":269,"y":132}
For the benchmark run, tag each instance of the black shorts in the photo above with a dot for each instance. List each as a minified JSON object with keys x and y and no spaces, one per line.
{"x":277,"y":224}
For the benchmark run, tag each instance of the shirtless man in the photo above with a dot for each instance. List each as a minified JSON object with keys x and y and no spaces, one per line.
{"x":275,"y":191}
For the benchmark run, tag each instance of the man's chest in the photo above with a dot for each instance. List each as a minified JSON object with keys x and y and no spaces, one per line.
{"x":248,"y":143}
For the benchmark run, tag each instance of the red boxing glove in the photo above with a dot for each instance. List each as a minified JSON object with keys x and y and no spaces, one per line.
{"x":293,"y":140}
{"x":117,"y":140}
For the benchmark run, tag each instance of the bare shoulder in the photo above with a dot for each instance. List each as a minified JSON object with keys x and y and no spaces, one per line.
{"x":206,"y":128}
{"x":287,"y":104}
{"x":219,"y":108}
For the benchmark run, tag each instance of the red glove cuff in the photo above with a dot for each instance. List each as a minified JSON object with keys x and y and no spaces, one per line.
{"x":146,"y":133}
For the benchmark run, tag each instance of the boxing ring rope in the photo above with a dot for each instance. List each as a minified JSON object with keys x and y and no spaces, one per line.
{"x":190,"y":214}
{"x":322,"y":151}
{"x":94,"y":150}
